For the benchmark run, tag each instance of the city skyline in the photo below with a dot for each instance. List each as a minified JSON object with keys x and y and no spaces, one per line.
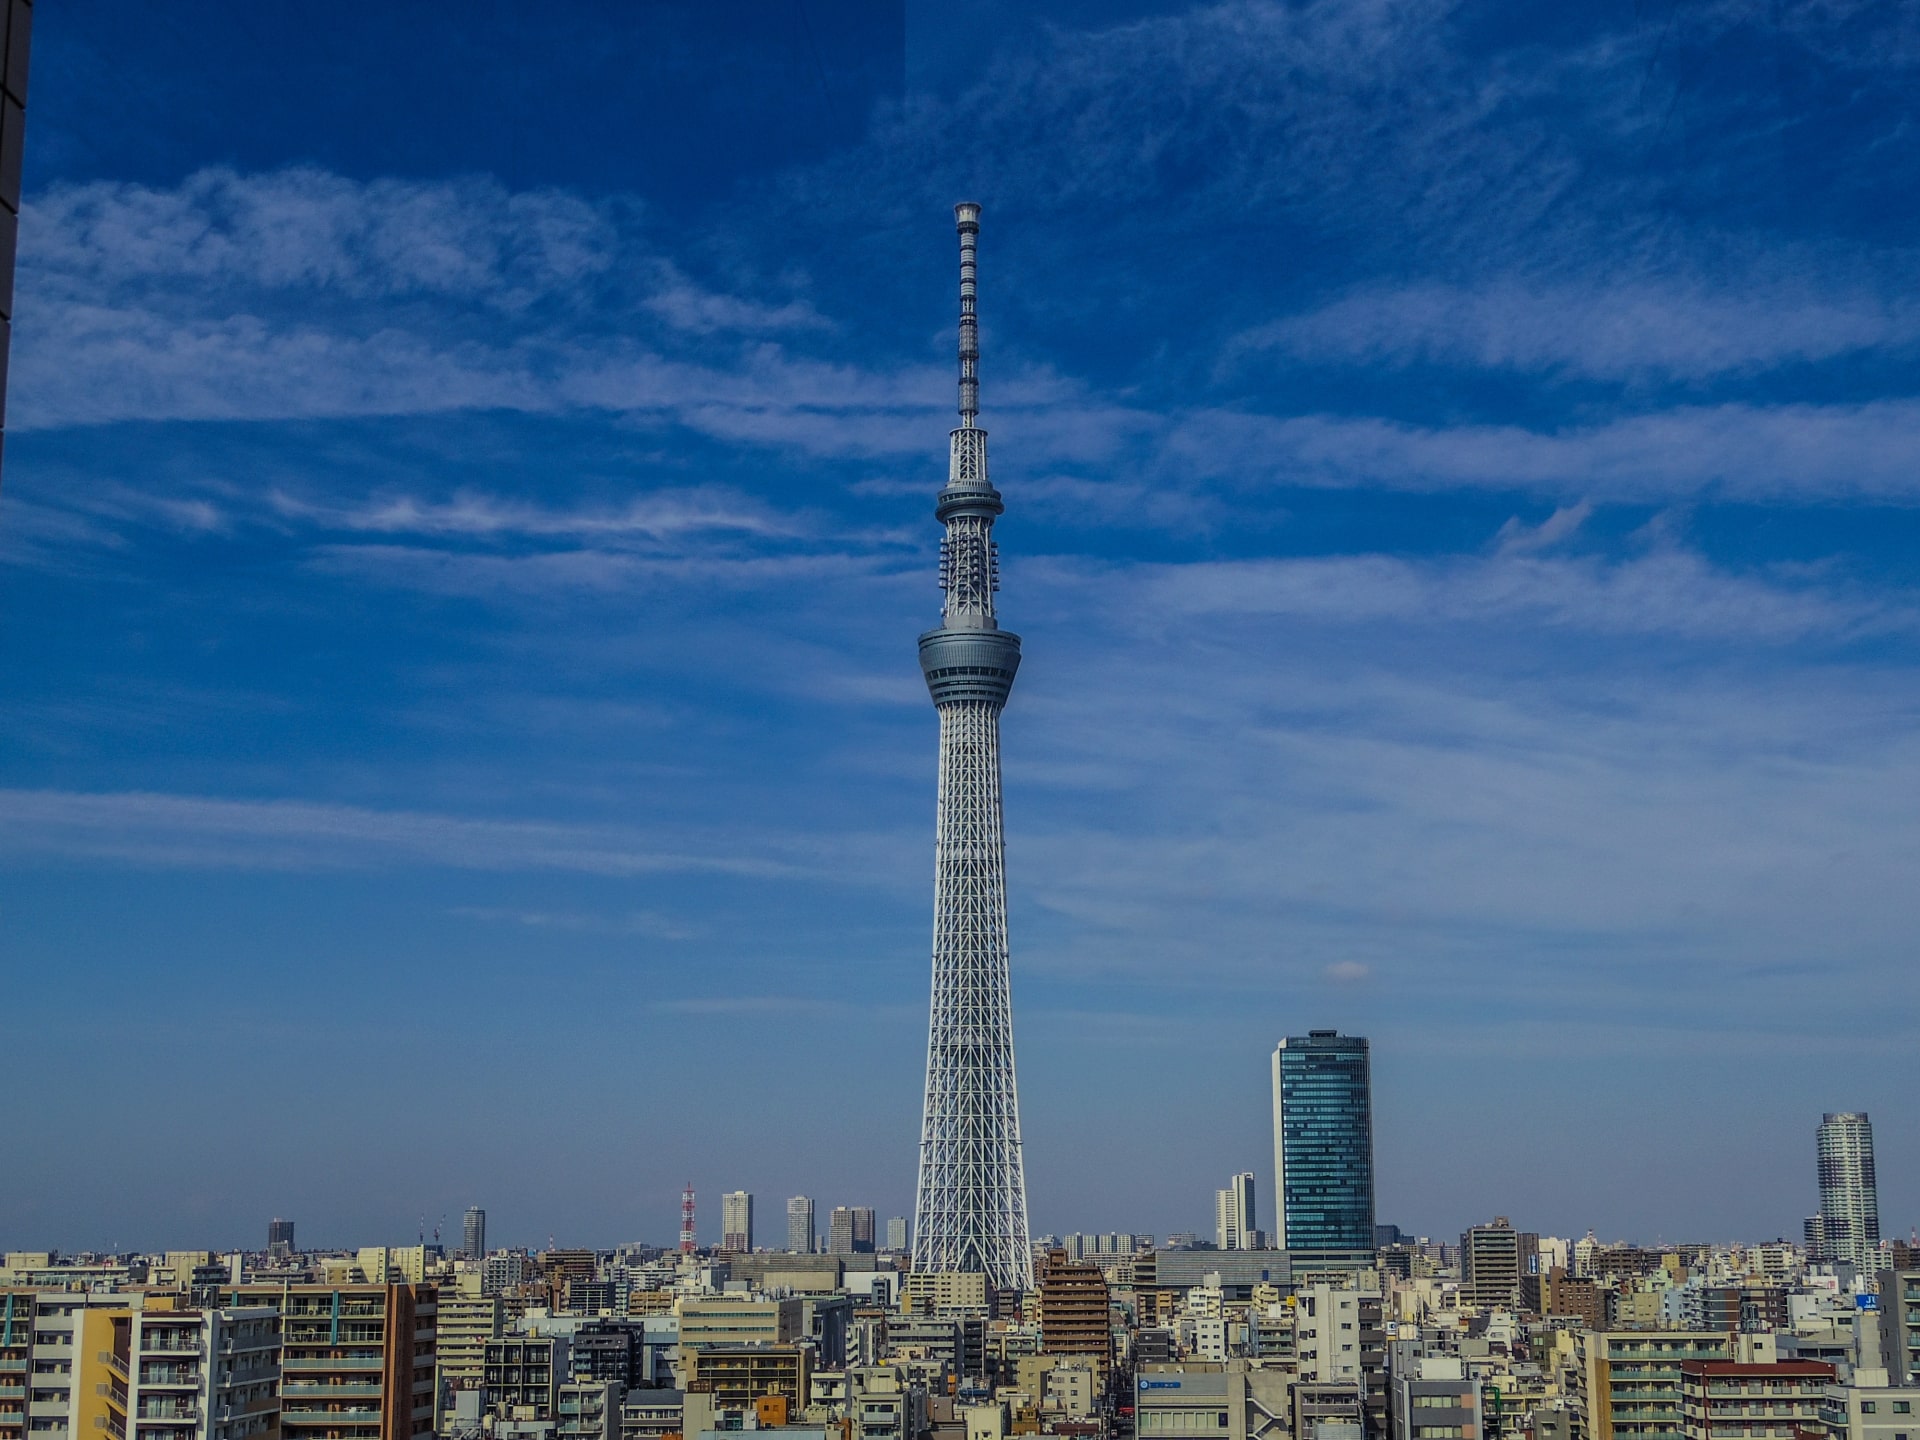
{"x":455,"y":563}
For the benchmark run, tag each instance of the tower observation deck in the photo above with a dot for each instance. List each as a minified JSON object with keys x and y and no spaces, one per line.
{"x":970,"y":1214}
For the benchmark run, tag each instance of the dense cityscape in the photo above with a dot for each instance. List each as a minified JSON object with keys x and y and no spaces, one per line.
{"x":1327,"y":1326}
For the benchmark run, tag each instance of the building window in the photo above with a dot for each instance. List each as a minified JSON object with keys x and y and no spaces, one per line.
{"x":1903,"y":1407}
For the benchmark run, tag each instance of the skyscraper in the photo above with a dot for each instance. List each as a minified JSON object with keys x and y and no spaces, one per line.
{"x":800,"y":1225}
{"x":473,"y":1234}
{"x":736,"y":1221}
{"x":897,"y":1233}
{"x":280,"y":1239}
{"x":1849,"y":1192}
{"x":970,"y":1212}
{"x":1323,"y":1142}
{"x":1233,"y":1218}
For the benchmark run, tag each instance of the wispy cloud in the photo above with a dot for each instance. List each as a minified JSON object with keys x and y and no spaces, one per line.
{"x":1597,"y":328}
{"x":646,"y":923}
{"x":199,"y":831}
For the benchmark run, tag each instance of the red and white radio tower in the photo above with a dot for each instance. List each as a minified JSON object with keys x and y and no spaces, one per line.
{"x":687,"y":1232}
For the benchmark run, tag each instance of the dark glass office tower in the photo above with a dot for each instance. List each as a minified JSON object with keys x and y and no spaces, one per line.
{"x":1323,"y":1142}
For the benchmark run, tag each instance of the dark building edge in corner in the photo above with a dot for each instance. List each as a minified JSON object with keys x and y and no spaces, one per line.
{"x":13,"y":124}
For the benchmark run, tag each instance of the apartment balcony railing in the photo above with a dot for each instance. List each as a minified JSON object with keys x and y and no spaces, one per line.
{"x":367,"y":1360}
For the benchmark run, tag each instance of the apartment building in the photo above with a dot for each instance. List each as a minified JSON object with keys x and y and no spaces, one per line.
{"x":1724,"y":1400}
{"x":357,"y":1360}
{"x":1625,"y":1385}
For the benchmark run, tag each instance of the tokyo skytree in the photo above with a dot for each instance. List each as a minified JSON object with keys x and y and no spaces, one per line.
{"x":971,"y":1211}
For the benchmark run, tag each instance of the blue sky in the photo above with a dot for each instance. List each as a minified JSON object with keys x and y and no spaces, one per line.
{"x":467,"y":516}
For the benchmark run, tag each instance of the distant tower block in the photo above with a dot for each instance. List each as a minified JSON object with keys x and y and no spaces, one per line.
{"x":689,"y":1235}
{"x":473,"y":1236}
{"x":736,"y":1221}
{"x":970,"y":1213}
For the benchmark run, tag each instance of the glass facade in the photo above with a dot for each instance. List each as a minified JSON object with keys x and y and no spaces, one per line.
{"x":1323,"y":1142}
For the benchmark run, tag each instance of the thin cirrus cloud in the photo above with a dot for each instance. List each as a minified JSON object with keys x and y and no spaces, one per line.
{"x":173,"y":831}
{"x":1598,"y":330}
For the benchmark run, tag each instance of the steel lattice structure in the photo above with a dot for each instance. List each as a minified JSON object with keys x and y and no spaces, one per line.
{"x":971,"y":1211}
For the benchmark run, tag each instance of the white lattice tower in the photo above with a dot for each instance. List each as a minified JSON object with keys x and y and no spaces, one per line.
{"x":971,"y":1210}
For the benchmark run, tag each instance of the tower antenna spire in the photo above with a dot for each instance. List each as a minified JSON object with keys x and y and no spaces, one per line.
{"x":966,"y":219}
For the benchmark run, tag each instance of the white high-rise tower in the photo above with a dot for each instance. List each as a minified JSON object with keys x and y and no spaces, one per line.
{"x":971,"y":1211}
{"x":1849,"y":1190}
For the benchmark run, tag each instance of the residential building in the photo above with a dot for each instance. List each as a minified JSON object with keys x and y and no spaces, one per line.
{"x":736,"y":1221}
{"x":947,"y":1294}
{"x":1437,"y":1400}
{"x":1328,"y":1410}
{"x":739,"y":1375}
{"x":1898,"y":1327}
{"x":800,"y":1231}
{"x":897,"y":1234}
{"x":1323,"y":1143}
{"x":1722,"y":1399}
{"x":357,"y":1361}
{"x":607,"y":1350}
{"x":850,"y":1230}
{"x":16,"y":1360}
{"x":882,"y":1403}
{"x":589,"y":1410}
{"x":1859,"y":1412}
{"x":1339,"y":1337}
{"x":707,"y":1321}
{"x":524,"y":1374}
{"x":1073,"y":1310}
{"x":1625,"y":1385}
{"x":1493,"y":1260}
{"x":204,"y":1374}
{"x":465,"y":1322}
{"x":1746,"y":1309}
{"x":1233,"y":1216}
{"x":1556,"y":1293}
{"x":651,"y":1414}
{"x":1849,"y":1194}
{"x":503,"y":1271}
{"x":473,"y":1234}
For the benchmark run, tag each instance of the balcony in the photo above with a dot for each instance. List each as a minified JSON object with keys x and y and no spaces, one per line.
{"x":365,"y":1360}
{"x":298,"y":1390}
{"x":168,"y":1342}
{"x":174,"y":1375}
{"x":169,"y":1414}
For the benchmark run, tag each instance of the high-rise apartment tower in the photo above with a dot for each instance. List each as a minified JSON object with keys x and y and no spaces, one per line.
{"x":1849,"y":1193}
{"x":736,"y":1221}
{"x":1233,"y":1220}
{"x":1323,"y":1142}
{"x":970,"y":1212}
{"x":473,"y":1234}
{"x":800,"y":1230}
